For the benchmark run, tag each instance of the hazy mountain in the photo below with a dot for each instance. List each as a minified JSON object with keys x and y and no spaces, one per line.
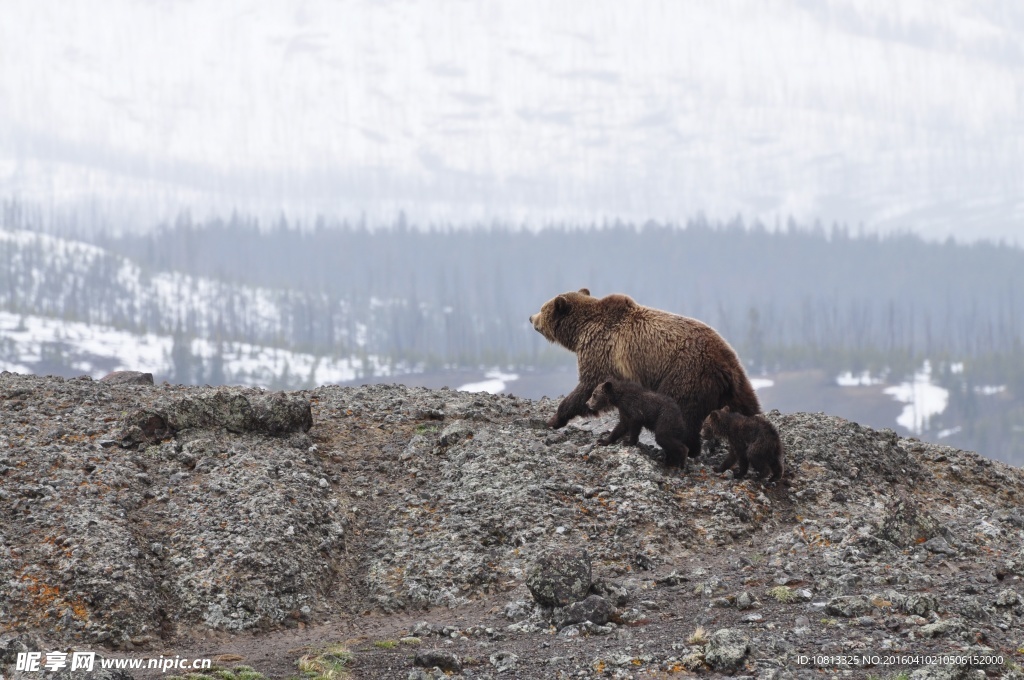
{"x":896,"y":115}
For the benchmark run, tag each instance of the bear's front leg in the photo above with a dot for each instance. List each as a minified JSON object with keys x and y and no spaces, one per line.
{"x":575,"y":404}
{"x":730,"y":460}
{"x":615,"y":435}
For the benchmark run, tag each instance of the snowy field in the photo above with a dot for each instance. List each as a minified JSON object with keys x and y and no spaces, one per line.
{"x":30,"y":343}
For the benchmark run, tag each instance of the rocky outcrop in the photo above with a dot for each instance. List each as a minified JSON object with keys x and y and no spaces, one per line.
{"x":560,"y":578}
{"x":134,"y":516}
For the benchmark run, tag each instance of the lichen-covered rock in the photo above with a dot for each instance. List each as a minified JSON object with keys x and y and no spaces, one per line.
{"x":726,"y":649}
{"x":907,"y":525}
{"x":848,"y":606}
{"x":504,"y":661}
{"x":438,"y":658}
{"x":560,"y":577}
{"x":128,"y":378}
{"x":594,"y":608}
{"x":233,"y":409}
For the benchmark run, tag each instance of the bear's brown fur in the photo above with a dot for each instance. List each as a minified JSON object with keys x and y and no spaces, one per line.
{"x":679,"y":357}
{"x":640,"y":408}
{"x":753,"y":440}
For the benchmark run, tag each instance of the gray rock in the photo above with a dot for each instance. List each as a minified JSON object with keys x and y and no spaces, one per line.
{"x":614,"y":592}
{"x":939,"y":545}
{"x":235,"y":410}
{"x":504,"y":661}
{"x":848,"y":606}
{"x":595,"y":609}
{"x":453,"y":434}
{"x":1008,"y":598}
{"x":127,"y":378}
{"x":941,"y":627}
{"x":726,"y":649}
{"x":438,"y":658}
{"x":560,"y":577}
{"x":906,"y":524}
{"x":745,"y":601}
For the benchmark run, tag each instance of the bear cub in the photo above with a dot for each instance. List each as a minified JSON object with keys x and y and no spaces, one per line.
{"x":753,"y":440}
{"x":640,"y":408}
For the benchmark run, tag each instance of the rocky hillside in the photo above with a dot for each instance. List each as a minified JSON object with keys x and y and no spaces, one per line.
{"x":433,"y":530}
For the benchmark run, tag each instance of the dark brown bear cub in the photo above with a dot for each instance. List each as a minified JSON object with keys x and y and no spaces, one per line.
{"x":640,"y":408}
{"x":753,"y":440}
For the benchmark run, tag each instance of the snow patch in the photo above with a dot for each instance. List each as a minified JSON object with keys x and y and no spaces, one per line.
{"x":923,"y":399}
{"x":496,"y":383}
{"x":863,"y":379}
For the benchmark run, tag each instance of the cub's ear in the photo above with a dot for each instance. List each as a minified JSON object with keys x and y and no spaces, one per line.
{"x":585,"y":291}
{"x":608,"y":387}
{"x":725,"y":409}
{"x":561,"y":305}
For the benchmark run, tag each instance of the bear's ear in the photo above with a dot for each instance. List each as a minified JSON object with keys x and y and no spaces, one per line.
{"x":561,"y":305}
{"x":585,"y":291}
{"x":725,"y":409}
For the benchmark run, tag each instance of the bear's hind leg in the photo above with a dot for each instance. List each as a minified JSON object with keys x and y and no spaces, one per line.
{"x":744,"y":460}
{"x":766,"y":457}
{"x":674,"y":448}
{"x":633,"y":438}
{"x":692,"y":434}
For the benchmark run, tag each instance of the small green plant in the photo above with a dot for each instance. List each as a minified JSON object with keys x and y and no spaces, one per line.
{"x":385,"y":644}
{"x":247,"y":673}
{"x":782,"y":594}
{"x":756,"y":558}
{"x":426,"y":429}
{"x":902,"y":675}
{"x":238,"y":673}
{"x":326,"y":664}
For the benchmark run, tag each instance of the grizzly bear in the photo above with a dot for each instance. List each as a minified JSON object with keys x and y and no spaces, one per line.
{"x":682,"y":358}
{"x":640,"y":408}
{"x":753,"y":440}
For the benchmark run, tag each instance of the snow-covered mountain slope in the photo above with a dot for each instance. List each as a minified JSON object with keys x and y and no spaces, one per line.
{"x":41,"y":345}
{"x":896,"y":115}
{"x":79,"y":281}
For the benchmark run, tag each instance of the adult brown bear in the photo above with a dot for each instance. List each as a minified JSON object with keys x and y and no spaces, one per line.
{"x":680,"y":357}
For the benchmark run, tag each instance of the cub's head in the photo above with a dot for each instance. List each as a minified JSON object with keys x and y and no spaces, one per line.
{"x":714,"y":424}
{"x":555,"y":320}
{"x":603,"y":397}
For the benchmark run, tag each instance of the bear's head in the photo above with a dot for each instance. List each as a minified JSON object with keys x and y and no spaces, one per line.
{"x":603,"y":397}
{"x":556,"y":321}
{"x":714,"y":424}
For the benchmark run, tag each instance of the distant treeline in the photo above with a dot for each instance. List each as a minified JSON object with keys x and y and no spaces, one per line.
{"x":786,"y":297}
